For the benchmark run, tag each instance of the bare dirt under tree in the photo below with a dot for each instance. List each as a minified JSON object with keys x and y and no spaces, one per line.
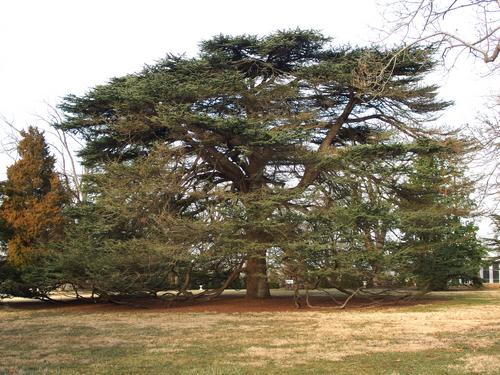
{"x":227,"y":303}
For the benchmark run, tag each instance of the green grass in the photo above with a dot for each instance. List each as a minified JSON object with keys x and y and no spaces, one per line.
{"x":459,"y":334}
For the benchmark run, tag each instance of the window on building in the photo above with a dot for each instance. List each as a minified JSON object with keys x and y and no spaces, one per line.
{"x":496,"y":272}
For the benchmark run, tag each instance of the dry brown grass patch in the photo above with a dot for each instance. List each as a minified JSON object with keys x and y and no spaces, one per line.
{"x":336,"y":336}
{"x":479,"y":364}
{"x":289,"y":339}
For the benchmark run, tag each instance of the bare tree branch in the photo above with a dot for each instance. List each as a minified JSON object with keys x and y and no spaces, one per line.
{"x":445,"y":23}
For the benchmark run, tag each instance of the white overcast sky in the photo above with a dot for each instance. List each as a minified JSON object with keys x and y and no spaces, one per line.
{"x":52,"y":48}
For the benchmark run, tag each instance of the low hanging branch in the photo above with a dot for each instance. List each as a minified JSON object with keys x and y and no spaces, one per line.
{"x":217,"y":292}
{"x":342,"y":306}
{"x":183,"y":294}
{"x":376,"y":298}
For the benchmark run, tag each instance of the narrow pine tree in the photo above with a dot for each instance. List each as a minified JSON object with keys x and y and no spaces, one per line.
{"x":439,"y":238}
{"x":32,"y":200}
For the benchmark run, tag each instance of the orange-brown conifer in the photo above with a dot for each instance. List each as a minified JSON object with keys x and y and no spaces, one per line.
{"x":33,"y":198}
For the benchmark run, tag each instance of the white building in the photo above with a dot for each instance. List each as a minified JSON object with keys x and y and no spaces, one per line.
{"x":491,"y":274}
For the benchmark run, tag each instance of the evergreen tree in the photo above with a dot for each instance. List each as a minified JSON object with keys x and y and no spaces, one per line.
{"x":32,"y":200}
{"x":439,"y":238}
{"x":259,"y":124}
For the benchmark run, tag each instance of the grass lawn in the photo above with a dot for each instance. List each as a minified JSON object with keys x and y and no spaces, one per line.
{"x":453,"y":333}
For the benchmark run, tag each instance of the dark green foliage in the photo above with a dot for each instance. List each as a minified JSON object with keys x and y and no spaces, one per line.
{"x":95,"y":256}
{"x":439,"y":241}
{"x":132,"y":240}
{"x":244,"y":93}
